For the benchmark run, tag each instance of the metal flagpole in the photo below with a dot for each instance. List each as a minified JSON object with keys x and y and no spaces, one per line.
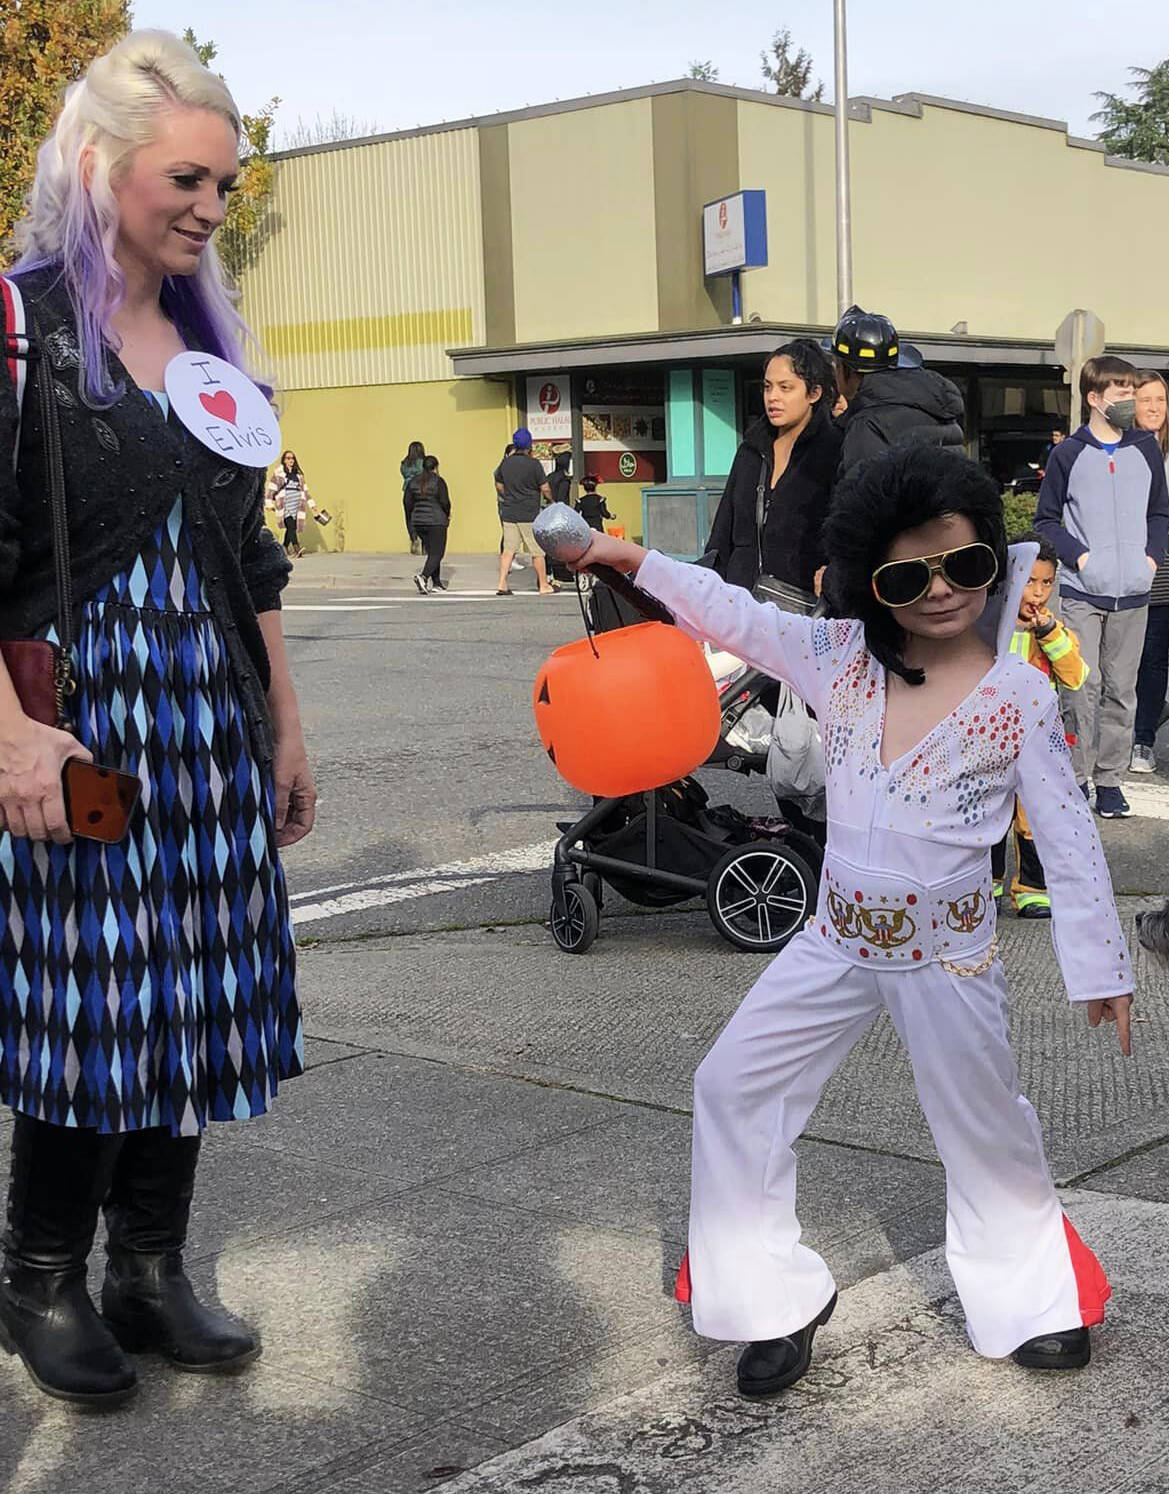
{"x":843,"y":195}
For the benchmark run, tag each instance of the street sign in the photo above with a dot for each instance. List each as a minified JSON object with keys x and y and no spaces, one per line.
{"x":1080,"y":336}
{"x":734,"y":233}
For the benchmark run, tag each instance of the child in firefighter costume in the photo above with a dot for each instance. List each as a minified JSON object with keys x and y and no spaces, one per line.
{"x":1043,"y":640}
{"x":930,"y":726}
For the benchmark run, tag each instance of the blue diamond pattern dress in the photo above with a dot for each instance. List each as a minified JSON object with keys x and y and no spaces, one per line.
{"x":152,"y":983}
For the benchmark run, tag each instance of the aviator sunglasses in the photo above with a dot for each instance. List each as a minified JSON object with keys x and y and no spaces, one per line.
{"x":900,"y":583}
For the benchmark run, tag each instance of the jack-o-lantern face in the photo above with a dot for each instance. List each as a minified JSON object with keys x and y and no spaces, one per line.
{"x":638,"y":713}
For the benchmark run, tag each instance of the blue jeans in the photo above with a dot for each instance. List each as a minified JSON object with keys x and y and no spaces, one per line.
{"x":1153,"y":677}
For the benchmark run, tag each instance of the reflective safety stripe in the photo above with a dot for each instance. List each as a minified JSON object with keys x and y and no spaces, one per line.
{"x":1032,"y":900}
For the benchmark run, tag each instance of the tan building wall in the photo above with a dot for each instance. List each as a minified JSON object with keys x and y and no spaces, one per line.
{"x":351,"y":440}
{"x":958,"y":215}
{"x":374,"y":263}
{"x":579,"y":276}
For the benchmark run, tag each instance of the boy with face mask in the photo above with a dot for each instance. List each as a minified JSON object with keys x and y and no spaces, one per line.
{"x":1104,"y":506}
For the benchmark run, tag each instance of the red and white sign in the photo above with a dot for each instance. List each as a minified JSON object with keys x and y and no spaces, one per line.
{"x":550,"y":408}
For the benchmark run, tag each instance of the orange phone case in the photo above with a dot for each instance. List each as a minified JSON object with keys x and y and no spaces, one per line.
{"x":98,"y":801}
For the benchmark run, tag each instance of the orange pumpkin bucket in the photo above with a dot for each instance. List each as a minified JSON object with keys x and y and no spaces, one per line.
{"x":640,"y":712}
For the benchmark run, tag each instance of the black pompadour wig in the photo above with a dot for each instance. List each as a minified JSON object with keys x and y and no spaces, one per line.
{"x":878,"y":500}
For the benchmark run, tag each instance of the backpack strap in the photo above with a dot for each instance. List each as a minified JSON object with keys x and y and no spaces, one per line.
{"x":16,"y":347}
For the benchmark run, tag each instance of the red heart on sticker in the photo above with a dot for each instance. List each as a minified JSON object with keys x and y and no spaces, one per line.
{"x":221,"y":405}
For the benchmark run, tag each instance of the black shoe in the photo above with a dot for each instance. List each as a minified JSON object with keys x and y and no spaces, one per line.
{"x":504,"y":592}
{"x":1034,"y":910}
{"x":420,"y":583}
{"x":49,"y":1320}
{"x":146,"y":1298}
{"x":772,"y":1364}
{"x":59,"y":1175}
{"x":1111,"y":804}
{"x":434,"y":581}
{"x":1069,"y":1350}
{"x":151,"y":1308}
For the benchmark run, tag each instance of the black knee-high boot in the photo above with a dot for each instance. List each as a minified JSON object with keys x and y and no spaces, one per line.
{"x":147,"y":1299}
{"x":59,"y":1178}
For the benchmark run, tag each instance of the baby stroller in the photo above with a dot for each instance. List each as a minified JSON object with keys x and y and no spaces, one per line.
{"x":657,"y":849}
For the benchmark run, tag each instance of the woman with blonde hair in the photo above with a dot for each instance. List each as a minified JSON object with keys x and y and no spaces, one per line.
{"x":146,"y":986}
{"x":1152,"y":414}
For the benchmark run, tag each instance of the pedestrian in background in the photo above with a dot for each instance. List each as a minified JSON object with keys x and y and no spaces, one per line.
{"x":148,"y":987}
{"x":1152,"y":401}
{"x":593,"y":508}
{"x":411,"y":466}
{"x":288,"y":493}
{"x":521,"y":483}
{"x":891,"y":399}
{"x":780,"y":484}
{"x":560,"y":478}
{"x":428,"y":513}
{"x":1105,"y":507}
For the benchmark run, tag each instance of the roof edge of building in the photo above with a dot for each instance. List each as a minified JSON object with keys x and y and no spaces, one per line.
{"x":861,"y":108}
{"x":753,"y":339}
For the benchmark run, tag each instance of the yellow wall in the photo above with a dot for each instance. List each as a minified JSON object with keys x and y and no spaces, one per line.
{"x":590,"y":274}
{"x":350,"y":441}
{"x":956,"y":217}
{"x":789,"y":154}
{"x":374,"y":263}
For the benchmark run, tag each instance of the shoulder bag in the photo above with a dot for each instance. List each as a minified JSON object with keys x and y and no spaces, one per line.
{"x":42,"y":672}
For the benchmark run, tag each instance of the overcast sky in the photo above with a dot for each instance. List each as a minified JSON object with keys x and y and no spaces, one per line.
{"x":402,"y":64}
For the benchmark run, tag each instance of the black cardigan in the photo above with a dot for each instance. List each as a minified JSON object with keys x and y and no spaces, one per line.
{"x":795,"y":510}
{"x":124,"y":468}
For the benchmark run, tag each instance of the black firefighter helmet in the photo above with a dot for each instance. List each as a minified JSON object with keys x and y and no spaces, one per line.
{"x":866,"y":341}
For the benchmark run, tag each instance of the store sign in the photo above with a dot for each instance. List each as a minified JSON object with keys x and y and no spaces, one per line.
{"x":624,"y":427}
{"x":734,"y":233}
{"x":550,"y":408}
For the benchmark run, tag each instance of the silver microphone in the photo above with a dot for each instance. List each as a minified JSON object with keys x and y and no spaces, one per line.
{"x":564,"y":536}
{"x":562,"y":533}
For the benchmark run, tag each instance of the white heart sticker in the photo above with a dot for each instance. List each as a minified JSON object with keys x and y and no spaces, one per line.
{"x":223,"y":409}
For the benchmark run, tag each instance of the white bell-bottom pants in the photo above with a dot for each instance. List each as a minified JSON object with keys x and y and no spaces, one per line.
{"x":1019,"y":1267}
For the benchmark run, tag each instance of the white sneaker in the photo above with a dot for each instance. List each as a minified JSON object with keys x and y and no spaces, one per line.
{"x":1144,"y":760}
{"x":516,"y":566}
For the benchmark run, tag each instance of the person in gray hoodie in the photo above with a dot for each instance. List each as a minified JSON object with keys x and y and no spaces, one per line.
{"x":1104,"y":505}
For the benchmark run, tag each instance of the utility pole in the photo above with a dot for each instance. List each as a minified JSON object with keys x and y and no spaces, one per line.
{"x":843,"y":194}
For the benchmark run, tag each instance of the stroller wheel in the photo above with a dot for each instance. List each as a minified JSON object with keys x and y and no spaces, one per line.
{"x":575,"y":919}
{"x":592,"y":881}
{"x":759,"y":895}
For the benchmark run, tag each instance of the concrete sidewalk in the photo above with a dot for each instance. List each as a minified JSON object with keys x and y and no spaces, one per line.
{"x":458,"y":1232}
{"x":359,"y":573}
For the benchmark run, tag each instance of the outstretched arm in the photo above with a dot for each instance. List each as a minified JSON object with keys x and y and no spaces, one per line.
{"x":806,"y":654}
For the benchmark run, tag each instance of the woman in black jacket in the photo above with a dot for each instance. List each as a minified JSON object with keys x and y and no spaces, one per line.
{"x":793,"y":451}
{"x":428,"y":513}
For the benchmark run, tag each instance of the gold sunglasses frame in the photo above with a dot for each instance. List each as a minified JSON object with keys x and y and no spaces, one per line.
{"x":936,"y":565}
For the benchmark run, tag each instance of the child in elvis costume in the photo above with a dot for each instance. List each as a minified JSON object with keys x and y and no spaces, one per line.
{"x":930,"y":726}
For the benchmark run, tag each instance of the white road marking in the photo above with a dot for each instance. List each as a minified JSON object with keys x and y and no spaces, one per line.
{"x":335,"y":607}
{"x":398,"y":887}
{"x":1149,"y":799}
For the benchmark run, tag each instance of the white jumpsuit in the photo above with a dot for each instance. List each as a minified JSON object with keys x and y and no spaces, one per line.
{"x":906,"y":922}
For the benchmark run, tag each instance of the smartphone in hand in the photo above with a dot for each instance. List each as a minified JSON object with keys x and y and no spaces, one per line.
{"x":98,"y":801}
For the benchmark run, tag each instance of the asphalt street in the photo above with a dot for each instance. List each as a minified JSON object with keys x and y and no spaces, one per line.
{"x":457,"y":1232}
